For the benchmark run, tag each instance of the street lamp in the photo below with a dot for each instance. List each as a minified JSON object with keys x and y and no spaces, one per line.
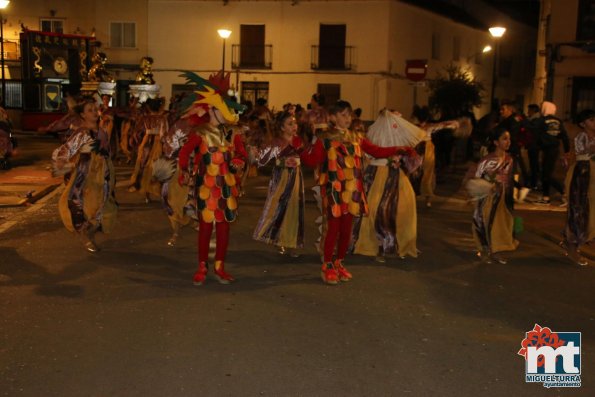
{"x":3,"y":5}
{"x":497,"y":32}
{"x":224,"y":34}
{"x":485,"y":50}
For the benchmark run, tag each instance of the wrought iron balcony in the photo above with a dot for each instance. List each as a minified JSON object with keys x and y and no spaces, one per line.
{"x":331,"y":57}
{"x":251,"y":56}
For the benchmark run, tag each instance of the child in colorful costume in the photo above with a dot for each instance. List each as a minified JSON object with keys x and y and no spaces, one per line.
{"x":492,"y":186}
{"x":338,"y":151}
{"x":211,"y":161}
{"x":282,"y":219}
{"x":152,"y":127}
{"x":580,"y":220}
{"x":167,"y":172}
{"x":88,"y":203}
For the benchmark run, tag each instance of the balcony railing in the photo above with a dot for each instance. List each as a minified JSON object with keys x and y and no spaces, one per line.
{"x":251,"y":56}
{"x":332,"y":57}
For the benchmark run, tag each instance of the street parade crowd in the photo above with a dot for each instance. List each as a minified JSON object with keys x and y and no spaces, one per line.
{"x":196,"y":156}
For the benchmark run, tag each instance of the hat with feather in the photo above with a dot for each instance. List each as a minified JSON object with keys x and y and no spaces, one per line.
{"x":214,"y":92}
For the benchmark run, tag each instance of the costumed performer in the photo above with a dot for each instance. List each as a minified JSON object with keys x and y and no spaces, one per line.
{"x":282,"y":219}
{"x":338,"y":152}
{"x":152,"y":127}
{"x":211,"y":162}
{"x":128,"y":126}
{"x":88,"y":204}
{"x":580,"y":186}
{"x":492,"y":187}
{"x":166,"y":171}
{"x":391,"y":224}
{"x":424,"y":178}
{"x":67,"y":123}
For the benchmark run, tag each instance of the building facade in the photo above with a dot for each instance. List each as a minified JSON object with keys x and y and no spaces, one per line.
{"x":284,"y":51}
{"x":566,"y":66}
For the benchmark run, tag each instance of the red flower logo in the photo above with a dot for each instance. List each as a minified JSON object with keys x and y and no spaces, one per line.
{"x":539,"y":337}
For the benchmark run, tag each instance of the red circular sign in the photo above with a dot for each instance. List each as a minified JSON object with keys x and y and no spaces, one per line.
{"x":415,"y":69}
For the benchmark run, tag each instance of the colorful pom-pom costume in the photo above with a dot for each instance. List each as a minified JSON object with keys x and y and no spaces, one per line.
{"x":338,"y":152}
{"x":211,"y":161}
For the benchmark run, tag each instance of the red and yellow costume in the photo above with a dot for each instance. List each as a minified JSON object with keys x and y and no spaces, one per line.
{"x":213,"y":158}
{"x":338,"y":153}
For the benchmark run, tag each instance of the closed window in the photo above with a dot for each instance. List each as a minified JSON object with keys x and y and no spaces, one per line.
{"x":330,"y":92}
{"x":435,"y":46}
{"x":331,"y":53}
{"x":586,"y":20}
{"x":251,"y":46}
{"x":583,"y":94}
{"x":122,"y":34}
{"x":52,"y":25}
{"x":255,"y":90}
{"x":456,"y":48}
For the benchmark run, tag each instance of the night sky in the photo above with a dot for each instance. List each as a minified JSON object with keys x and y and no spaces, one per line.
{"x":523,"y":10}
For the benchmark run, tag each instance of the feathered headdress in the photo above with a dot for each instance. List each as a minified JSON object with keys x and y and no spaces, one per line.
{"x":212,"y":92}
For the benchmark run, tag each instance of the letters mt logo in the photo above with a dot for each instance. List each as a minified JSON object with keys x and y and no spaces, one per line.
{"x":552,"y":358}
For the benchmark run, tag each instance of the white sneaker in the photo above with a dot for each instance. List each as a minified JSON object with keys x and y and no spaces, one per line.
{"x":523,"y":194}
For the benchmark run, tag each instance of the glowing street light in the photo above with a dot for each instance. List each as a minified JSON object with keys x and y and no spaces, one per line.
{"x":224,"y":34}
{"x":484,"y":50}
{"x":497,"y":32}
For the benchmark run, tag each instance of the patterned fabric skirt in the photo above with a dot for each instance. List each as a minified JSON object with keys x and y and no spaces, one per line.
{"x":493,"y":223}
{"x":282,"y":219}
{"x":88,"y":198}
{"x":391,"y":224}
{"x":580,"y":218}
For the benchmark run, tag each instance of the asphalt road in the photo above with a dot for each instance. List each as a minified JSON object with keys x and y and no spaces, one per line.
{"x":127,"y":321}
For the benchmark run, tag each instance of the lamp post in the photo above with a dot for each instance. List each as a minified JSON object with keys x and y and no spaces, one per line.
{"x":497,"y":32}
{"x":224,"y":34}
{"x":3,"y":5}
{"x":485,"y":50}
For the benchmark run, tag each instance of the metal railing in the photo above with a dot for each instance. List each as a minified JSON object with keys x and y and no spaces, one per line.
{"x":332,"y":57}
{"x":251,"y":56}
{"x":14,"y":94}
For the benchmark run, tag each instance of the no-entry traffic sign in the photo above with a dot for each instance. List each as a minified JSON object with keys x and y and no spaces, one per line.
{"x":415,"y":69}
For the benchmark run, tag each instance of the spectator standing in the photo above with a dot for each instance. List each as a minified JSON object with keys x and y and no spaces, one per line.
{"x":551,"y":132}
{"x":511,"y":121}
{"x":529,"y":139}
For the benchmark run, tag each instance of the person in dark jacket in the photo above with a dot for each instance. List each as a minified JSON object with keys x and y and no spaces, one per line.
{"x":529,"y":140}
{"x":511,"y":122}
{"x":551,"y":132}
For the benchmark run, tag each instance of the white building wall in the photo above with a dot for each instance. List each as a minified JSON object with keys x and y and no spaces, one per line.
{"x":410,"y":35}
{"x":183,"y":36}
{"x":558,"y":32}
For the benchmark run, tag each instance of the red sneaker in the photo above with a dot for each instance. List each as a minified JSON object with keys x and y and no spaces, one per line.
{"x":201,"y":274}
{"x":329,"y":273}
{"x":344,"y":275}
{"x":222,"y":276}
